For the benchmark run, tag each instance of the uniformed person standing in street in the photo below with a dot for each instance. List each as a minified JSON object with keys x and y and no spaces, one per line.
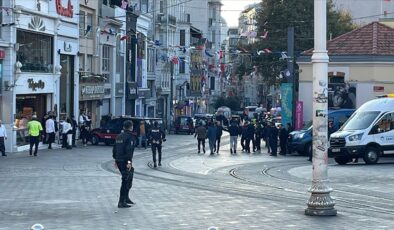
{"x":157,"y":137}
{"x":123,"y":154}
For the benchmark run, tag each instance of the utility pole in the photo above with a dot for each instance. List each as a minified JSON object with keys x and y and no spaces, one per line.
{"x":320,"y":203}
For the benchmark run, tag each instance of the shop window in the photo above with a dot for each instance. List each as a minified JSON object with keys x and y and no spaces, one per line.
{"x":34,"y":51}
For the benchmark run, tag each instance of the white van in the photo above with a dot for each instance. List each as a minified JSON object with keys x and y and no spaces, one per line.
{"x":369,"y":133}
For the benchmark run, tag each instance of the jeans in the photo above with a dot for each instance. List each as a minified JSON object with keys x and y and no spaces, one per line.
{"x":217,"y":144}
{"x":233,"y":142}
{"x":212,"y":144}
{"x":201,"y":141}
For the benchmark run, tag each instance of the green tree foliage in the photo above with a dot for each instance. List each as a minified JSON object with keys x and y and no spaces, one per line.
{"x":275,"y":16}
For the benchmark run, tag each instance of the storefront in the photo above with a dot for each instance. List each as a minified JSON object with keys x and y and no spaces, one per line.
{"x":91,"y":98}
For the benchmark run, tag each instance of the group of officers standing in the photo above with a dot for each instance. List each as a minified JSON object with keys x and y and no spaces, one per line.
{"x":251,"y":133}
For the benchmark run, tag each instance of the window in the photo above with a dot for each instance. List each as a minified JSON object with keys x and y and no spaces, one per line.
{"x":106,"y":62}
{"x":144,"y":6}
{"x":151,"y":60}
{"x":182,"y":65}
{"x":162,"y":7}
{"x":182,"y":37}
{"x":385,"y":124}
{"x":89,"y":63}
{"x":187,"y":17}
{"x":34,"y":51}
{"x":81,"y":23}
{"x":89,"y":23}
{"x":213,"y":36}
{"x":81,"y":62}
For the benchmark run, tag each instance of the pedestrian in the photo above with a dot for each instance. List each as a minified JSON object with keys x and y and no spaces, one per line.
{"x":157,"y":136}
{"x":122,"y":153}
{"x":289,"y":130}
{"x":74,"y":125}
{"x":3,"y":136}
{"x":283,"y":137}
{"x":83,"y":130}
{"x":142,"y":134}
{"x":219,"y":133}
{"x":258,"y":135}
{"x":50,"y":131}
{"x":273,"y":139}
{"x":250,"y":130}
{"x":67,"y":134}
{"x":44,"y":136}
{"x":201,"y":134}
{"x":34,"y":128}
{"x":211,"y":135}
{"x":243,"y":135}
{"x":234,"y":131}
{"x":266,"y":133}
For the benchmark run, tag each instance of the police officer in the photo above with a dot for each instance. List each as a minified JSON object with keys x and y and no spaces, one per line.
{"x":157,"y":136}
{"x":123,"y":154}
{"x":273,"y":139}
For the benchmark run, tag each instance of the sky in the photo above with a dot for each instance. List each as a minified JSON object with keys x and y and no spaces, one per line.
{"x":232,"y":8}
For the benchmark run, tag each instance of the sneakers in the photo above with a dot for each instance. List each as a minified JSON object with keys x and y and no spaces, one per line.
{"x":128,"y":201}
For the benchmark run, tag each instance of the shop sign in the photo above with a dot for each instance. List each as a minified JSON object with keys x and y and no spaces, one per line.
{"x":64,"y":11}
{"x":92,"y":91}
{"x":35,"y":85}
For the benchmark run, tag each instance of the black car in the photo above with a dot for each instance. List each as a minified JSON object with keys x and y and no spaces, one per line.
{"x":108,"y":131}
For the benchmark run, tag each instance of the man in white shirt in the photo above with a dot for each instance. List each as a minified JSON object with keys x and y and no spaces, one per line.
{"x":3,"y":136}
{"x":50,"y":131}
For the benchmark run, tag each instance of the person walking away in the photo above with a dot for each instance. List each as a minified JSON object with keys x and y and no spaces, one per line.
{"x":258,"y":136}
{"x":211,"y":135}
{"x":122,"y":153}
{"x":283,"y":136}
{"x":273,"y":139}
{"x":74,"y":125}
{"x":201,"y":134}
{"x":249,"y":137}
{"x":83,"y":132}
{"x":234,"y":131}
{"x":243,"y":135}
{"x":34,"y":128}
{"x":157,"y":136}
{"x":3,"y":136}
{"x":219,"y":133}
{"x":50,"y":131}
{"x":67,"y":134}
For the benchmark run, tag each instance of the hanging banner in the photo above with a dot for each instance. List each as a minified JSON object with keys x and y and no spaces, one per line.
{"x":299,"y":115}
{"x":287,"y":103}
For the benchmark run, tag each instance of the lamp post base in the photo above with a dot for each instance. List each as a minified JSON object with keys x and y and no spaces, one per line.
{"x":320,"y":203}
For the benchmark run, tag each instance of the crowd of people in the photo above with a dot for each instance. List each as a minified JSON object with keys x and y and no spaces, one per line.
{"x":251,"y":132}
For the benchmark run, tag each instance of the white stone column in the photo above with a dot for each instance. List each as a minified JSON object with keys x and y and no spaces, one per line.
{"x":320,"y":203}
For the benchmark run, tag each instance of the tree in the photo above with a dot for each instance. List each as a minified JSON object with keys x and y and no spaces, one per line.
{"x":275,"y":16}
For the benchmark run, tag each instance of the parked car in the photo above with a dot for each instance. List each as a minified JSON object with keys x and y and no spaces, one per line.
{"x":108,"y":132}
{"x":184,"y":124}
{"x":301,"y":140}
{"x":369,"y":133}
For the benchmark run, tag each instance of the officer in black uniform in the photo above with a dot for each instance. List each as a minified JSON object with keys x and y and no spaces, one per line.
{"x":157,"y":137}
{"x":123,"y":154}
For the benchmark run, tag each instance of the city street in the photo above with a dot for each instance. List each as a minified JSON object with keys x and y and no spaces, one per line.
{"x":79,"y":189}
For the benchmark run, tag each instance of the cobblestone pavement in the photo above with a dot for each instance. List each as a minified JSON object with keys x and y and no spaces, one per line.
{"x":79,"y":188}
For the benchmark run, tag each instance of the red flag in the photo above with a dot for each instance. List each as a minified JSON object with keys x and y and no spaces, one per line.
{"x":123,"y":37}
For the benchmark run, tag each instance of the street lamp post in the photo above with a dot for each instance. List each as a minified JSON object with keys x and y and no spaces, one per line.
{"x":320,"y":203}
